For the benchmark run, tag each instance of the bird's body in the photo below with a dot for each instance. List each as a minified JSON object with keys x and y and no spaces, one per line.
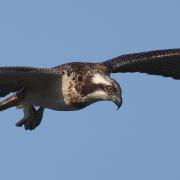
{"x":48,"y":97}
{"x":74,"y":86}
{"x":68,"y":90}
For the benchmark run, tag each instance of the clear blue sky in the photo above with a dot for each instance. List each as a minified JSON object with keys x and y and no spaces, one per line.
{"x":141,"y":140}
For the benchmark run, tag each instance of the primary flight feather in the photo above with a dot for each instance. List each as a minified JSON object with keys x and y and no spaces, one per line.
{"x":75,"y":85}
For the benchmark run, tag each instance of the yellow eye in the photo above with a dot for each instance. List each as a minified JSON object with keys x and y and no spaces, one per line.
{"x":110,"y":89}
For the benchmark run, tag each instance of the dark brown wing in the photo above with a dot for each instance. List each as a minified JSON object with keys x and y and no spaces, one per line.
{"x":160,"y":62}
{"x":15,"y":78}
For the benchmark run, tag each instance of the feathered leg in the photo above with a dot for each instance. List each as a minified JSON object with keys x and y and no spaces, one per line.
{"x":32,"y":117}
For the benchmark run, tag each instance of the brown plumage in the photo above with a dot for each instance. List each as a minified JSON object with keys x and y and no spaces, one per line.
{"x":75,"y":85}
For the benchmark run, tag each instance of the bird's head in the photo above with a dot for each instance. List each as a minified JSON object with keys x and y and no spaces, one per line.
{"x":103,"y":87}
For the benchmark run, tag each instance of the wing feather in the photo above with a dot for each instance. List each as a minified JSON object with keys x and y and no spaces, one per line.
{"x":14,"y":78}
{"x":159,"y":62}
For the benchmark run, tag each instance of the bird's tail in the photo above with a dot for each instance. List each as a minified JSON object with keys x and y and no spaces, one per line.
{"x":9,"y":102}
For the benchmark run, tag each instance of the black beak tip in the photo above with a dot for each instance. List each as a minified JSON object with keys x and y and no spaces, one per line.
{"x":118,"y":102}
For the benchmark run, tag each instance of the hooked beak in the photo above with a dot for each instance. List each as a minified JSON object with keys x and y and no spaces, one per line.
{"x":118,"y":102}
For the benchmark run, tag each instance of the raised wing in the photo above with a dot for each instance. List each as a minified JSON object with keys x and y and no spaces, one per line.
{"x":160,"y":62}
{"x":15,"y":78}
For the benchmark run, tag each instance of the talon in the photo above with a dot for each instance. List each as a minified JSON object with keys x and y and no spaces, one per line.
{"x":32,"y":118}
{"x":28,"y":124}
{"x":21,"y":122}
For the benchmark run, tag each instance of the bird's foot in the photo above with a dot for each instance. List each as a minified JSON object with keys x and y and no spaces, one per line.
{"x":32,"y":118}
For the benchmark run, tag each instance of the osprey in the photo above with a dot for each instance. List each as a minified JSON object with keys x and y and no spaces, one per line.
{"x":75,"y":85}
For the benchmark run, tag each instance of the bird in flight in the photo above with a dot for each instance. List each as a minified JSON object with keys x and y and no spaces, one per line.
{"x":75,"y":85}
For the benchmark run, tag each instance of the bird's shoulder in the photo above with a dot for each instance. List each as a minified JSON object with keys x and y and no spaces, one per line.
{"x":81,"y":68}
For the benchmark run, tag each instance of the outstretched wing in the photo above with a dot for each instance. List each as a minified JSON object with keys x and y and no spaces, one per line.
{"x":160,"y":62}
{"x":15,"y":78}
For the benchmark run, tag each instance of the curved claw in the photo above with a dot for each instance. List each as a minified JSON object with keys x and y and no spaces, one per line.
{"x":32,"y":118}
{"x":21,"y":122}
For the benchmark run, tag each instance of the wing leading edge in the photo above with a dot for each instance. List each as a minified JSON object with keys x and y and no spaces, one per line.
{"x":159,"y":62}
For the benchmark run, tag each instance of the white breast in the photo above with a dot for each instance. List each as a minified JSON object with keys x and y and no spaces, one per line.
{"x":52,"y":95}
